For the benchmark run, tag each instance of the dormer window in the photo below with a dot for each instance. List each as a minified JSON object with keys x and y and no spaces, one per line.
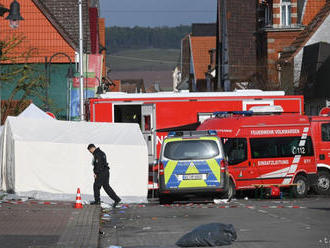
{"x":286,"y":12}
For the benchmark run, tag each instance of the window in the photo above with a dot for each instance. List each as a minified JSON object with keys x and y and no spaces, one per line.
{"x":265,"y":13}
{"x":286,"y":12}
{"x":325,"y":132}
{"x":191,"y":149}
{"x":269,"y":13}
{"x":280,"y":147}
{"x":236,"y":150}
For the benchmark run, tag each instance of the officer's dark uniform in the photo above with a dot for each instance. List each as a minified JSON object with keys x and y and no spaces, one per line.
{"x":101,"y":170}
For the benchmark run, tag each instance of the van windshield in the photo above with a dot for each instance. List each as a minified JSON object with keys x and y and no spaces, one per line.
{"x":191,"y":150}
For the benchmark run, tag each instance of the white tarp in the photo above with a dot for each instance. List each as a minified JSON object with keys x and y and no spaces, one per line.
{"x":50,"y":156}
{"x":32,"y":111}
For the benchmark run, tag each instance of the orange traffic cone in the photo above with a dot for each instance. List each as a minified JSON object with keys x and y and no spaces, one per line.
{"x":78,"y":200}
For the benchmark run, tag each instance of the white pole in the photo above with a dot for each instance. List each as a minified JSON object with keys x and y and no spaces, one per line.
{"x":81,"y":79}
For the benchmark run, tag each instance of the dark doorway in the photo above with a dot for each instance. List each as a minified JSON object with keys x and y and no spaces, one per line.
{"x":128,"y":113}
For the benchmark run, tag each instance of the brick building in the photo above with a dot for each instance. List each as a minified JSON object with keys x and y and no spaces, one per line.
{"x":304,"y":65}
{"x":200,"y":51}
{"x":279,"y":23}
{"x":241,"y":28}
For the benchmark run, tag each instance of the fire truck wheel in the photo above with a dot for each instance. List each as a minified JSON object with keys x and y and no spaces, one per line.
{"x":301,"y":189}
{"x":323,"y":183}
{"x":231,"y":190}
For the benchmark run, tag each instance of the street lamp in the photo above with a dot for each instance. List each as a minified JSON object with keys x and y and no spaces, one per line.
{"x":14,"y":14}
{"x":69,"y":75}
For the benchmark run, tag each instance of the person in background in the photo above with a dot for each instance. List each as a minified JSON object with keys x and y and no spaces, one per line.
{"x":101,"y":176}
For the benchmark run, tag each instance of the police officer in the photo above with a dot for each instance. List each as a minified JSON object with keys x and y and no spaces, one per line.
{"x":101,"y":175}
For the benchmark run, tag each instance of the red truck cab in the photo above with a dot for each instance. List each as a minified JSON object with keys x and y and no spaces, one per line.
{"x":320,"y":126}
{"x":267,"y":150}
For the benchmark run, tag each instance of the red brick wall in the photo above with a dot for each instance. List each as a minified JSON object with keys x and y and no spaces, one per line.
{"x":241,"y":28}
{"x":276,"y":42}
{"x":312,"y":8}
{"x":294,"y":12}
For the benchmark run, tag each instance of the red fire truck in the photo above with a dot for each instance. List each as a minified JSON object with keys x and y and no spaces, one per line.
{"x":158,"y":113}
{"x":272,"y":150}
{"x":320,"y":126}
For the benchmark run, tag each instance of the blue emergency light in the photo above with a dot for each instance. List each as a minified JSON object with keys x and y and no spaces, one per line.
{"x":191,"y":133}
{"x":171,"y":134}
{"x":212,"y":132}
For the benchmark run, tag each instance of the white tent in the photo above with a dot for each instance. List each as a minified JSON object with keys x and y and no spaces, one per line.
{"x":32,"y":111}
{"x":50,"y":156}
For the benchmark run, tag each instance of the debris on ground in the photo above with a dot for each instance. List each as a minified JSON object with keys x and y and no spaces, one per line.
{"x":105,"y":205}
{"x":220,"y":201}
{"x":213,"y":234}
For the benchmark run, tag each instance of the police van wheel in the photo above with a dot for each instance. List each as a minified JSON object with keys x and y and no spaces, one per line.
{"x":231,"y":190}
{"x":302,"y":187}
{"x":323,"y":183}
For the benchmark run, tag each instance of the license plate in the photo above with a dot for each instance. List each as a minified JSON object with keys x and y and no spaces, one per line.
{"x":194,"y":177}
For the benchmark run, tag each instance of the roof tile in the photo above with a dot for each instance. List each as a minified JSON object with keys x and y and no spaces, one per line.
{"x":200,"y":47}
{"x":40,"y":35}
{"x":65,"y":15}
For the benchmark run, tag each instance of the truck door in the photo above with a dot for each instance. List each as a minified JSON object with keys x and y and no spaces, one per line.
{"x":321,"y":136}
{"x":148,"y":122}
{"x":240,"y":167}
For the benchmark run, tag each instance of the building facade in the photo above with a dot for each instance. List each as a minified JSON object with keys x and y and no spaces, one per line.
{"x":48,"y":40}
{"x":279,"y":23}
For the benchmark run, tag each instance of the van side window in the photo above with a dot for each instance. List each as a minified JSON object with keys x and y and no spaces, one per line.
{"x":236,"y":150}
{"x":325,"y":132}
{"x":281,"y":147}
